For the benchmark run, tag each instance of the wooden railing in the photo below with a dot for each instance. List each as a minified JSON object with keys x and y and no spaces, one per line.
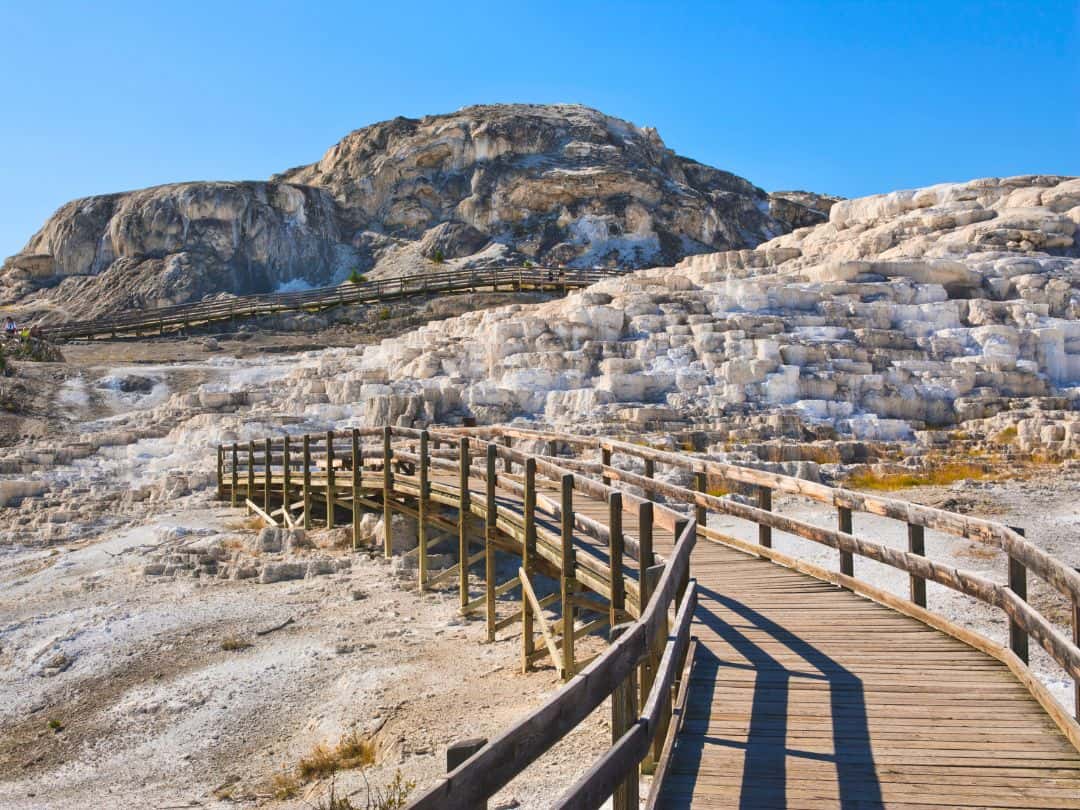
{"x":645,"y":670}
{"x":180,"y":316}
{"x":1023,"y":558}
{"x":649,"y":600}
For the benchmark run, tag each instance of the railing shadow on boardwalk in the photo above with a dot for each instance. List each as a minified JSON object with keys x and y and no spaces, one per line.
{"x":764,"y":771}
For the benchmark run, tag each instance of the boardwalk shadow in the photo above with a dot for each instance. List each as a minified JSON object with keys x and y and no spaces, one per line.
{"x":764,"y":778}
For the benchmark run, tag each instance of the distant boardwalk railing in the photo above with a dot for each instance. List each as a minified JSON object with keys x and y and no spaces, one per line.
{"x":181,"y":316}
{"x":591,"y":521}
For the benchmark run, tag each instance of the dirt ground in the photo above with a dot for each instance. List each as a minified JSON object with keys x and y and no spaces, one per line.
{"x":116,"y":687}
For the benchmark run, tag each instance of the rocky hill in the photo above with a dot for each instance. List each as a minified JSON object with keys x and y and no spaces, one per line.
{"x":556,"y":184}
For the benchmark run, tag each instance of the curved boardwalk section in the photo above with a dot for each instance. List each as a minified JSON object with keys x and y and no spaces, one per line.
{"x":737,"y":676}
{"x":804,"y":695}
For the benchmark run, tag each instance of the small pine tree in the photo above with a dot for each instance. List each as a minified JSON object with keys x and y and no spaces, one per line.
{"x":438,"y":257}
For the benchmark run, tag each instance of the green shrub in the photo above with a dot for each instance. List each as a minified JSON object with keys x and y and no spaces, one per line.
{"x":438,"y":257}
{"x":356,"y":277}
{"x":384,"y":314}
{"x":527,"y":264}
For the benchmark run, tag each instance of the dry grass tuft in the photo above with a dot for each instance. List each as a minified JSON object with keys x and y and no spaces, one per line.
{"x":941,"y":475}
{"x":235,"y":644}
{"x":392,"y":797}
{"x":285,"y":785}
{"x":352,"y":751}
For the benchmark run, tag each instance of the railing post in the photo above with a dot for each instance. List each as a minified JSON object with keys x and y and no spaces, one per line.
{"x":916,"y":544}
{"x":650,"y":468}
{"x":1018,"y":638}
{"x":235,"y":474}
{"x":463,"y":521}
{"x":567,"y":581}
{"x":331,"y":488}
{"x":646,"y":559}
{"x":458,"y":752}
{"x":490,"y":529}
{"x":1076,"y":642}
{"x":843,"y":524}
{"x":701,"y":484}
{"x":220,"y":473}
{"x":508,"y":466}
{"x":605,"y":460}
{"x":357,"y":473}
{"x":624,"y":714}
{"x":286,"y":473}
{"x":388,"y":486}
{"x":251,"y":472}
{"x":422,"y":512}
{"x":528,"y":555}
{"x":615,"y":559}
{"x":268,"y":455}
{"x":764,"y":502}
{"x":306,"y":491}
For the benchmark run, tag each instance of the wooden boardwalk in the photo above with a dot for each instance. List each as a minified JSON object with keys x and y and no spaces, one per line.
{"x":804,"y":695}
{"x":161,"y":320}
{"x":799,"y":693}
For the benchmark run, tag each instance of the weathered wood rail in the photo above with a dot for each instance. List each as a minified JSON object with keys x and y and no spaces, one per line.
{"x":182,"y":316}
{"x":594,"y":520}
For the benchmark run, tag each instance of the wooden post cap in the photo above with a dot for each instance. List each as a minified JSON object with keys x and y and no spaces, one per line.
{"x":458,"y":752}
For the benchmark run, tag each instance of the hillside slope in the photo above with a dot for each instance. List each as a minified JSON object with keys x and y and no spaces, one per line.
{"x":558,"y":184}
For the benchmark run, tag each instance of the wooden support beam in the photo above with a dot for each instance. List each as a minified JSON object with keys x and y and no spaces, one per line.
{"x":258,"y":511}
{"x":528,"y":556}
{"x":422,"y":513}
{"x":235,"y":494}
{"x":650,"y":468}
{"x":567,"y":565}
{"x":490,"y":531}
{"x":250,"y":494}
{"x":617,"y":607}
{"x":268,"y":456}
{"x":220,"y":473}
{"x":286,"y":473}
{"x":1018,"y":637}
{"x":541,"y":620}
{"x":463,"y":520}
{"x":843,"y":524}
{"x":331,"y":484}
{"x":388,"y":489}
{"x":916,"y":543}
{"x":605,"y":460}
{"x":764,"y":501}
{"x":306,"y":492}
{"x":357,"y":472}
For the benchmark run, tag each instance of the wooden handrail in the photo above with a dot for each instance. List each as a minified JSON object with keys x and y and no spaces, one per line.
{"x":247,"y":306}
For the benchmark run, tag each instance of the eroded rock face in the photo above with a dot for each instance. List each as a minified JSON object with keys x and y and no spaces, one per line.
{"x":564,"y":184}
{"x":559,"y":184}
{"x":177,"y":243}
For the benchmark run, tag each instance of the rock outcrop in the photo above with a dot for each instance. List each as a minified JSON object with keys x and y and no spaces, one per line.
{"x":559,"y":184}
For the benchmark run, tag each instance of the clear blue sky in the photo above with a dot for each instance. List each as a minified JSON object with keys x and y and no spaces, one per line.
{"x":849,"y":98}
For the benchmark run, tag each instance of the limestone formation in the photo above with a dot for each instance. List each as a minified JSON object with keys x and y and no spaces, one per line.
{"x":905,"y":312}
{"x":558,"y":184}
